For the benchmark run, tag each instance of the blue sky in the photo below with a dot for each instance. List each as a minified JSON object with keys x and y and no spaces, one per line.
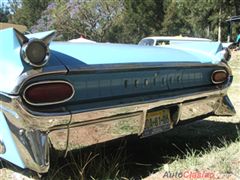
{"x":3,"y":1}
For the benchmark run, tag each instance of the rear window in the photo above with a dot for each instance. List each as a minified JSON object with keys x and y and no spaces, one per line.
{"x":162,"y":42}
{"x":146,"y":42}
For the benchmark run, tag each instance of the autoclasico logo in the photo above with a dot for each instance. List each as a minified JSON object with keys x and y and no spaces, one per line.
{"x":189,"y":174}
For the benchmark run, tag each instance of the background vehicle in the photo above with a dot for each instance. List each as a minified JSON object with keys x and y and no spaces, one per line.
{"x":169,"y":40}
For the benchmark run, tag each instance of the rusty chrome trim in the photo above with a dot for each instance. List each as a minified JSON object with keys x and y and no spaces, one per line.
{"x":49,"y":103}
{"x":214,"y":82}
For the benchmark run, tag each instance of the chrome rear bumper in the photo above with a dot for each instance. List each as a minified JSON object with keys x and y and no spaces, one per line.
{"x":33,"y":134}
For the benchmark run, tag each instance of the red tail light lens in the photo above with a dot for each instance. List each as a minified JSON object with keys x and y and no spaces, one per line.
{"x":47,"y":93}
{"x":219,"y":76}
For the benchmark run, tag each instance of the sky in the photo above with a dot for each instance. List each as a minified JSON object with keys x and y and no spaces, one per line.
{"x":3,"y":2}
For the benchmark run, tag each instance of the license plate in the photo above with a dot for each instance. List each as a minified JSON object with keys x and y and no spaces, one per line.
{"x":156,"y":122}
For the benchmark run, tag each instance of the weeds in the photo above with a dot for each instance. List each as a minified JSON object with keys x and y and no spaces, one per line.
{"x":99,"y":163}
{"x":224,"y":160}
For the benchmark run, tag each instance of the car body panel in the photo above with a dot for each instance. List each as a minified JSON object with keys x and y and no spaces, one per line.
{"x":10,"y":65}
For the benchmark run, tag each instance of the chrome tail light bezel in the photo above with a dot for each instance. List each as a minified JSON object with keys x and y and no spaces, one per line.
{"x":219,"y":71}
{"x":47,"y":103}
{"x":28,"y":60}
{"x":26,"y":42}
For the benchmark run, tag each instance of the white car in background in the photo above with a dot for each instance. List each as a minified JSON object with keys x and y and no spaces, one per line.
{"x":81,"y":40}
{"x":191,"y":45}
{"x":169,"y":40}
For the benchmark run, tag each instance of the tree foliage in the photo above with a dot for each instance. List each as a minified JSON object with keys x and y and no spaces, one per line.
{"x":140,"y":19}
{"x":4,"y":13}
{"x":27,"y":12}
{"x":126,"y":21}
{"x":198,"y":18}
{"x":74,"y":18}
{"x":111,"y":20}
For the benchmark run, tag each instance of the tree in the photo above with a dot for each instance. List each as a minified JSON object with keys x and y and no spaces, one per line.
{"x":4,"y":13}
{"x":126,"y":21}
{"x":92,"y":19}
{"x":205,"y":18}
{"x":27,"y":12}
{"x":139,"y":19}
{"x":175,"y":21}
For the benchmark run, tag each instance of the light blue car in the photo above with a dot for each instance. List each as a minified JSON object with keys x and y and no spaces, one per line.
{"x":67,"y":96}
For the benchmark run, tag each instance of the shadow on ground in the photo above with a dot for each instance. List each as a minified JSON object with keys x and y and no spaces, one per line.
{"x":135,"y":158}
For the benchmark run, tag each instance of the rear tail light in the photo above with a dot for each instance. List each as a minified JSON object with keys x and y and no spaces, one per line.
{"x":48,"y":93}
{"x":219,"y":76}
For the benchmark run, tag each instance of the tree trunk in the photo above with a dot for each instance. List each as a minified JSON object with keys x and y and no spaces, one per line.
{"x":237,"y":6}
{"x":219,"y":25}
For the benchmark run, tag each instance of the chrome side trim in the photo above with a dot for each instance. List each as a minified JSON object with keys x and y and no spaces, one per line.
{"x":139,"y":66}
{"x":50,"y":103}
{"x":36,"y":73}
{"x":216,"y":72}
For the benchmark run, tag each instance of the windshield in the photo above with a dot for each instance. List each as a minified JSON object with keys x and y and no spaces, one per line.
{"x":146,"y":42}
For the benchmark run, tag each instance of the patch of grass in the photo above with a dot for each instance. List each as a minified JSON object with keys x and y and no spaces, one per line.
{"x":235,"y":59}
{"x":222,"y":162}
{"x":90,"y":164}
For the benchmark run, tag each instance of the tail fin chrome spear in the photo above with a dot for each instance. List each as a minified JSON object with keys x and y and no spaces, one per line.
{"x":35,"y":51}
